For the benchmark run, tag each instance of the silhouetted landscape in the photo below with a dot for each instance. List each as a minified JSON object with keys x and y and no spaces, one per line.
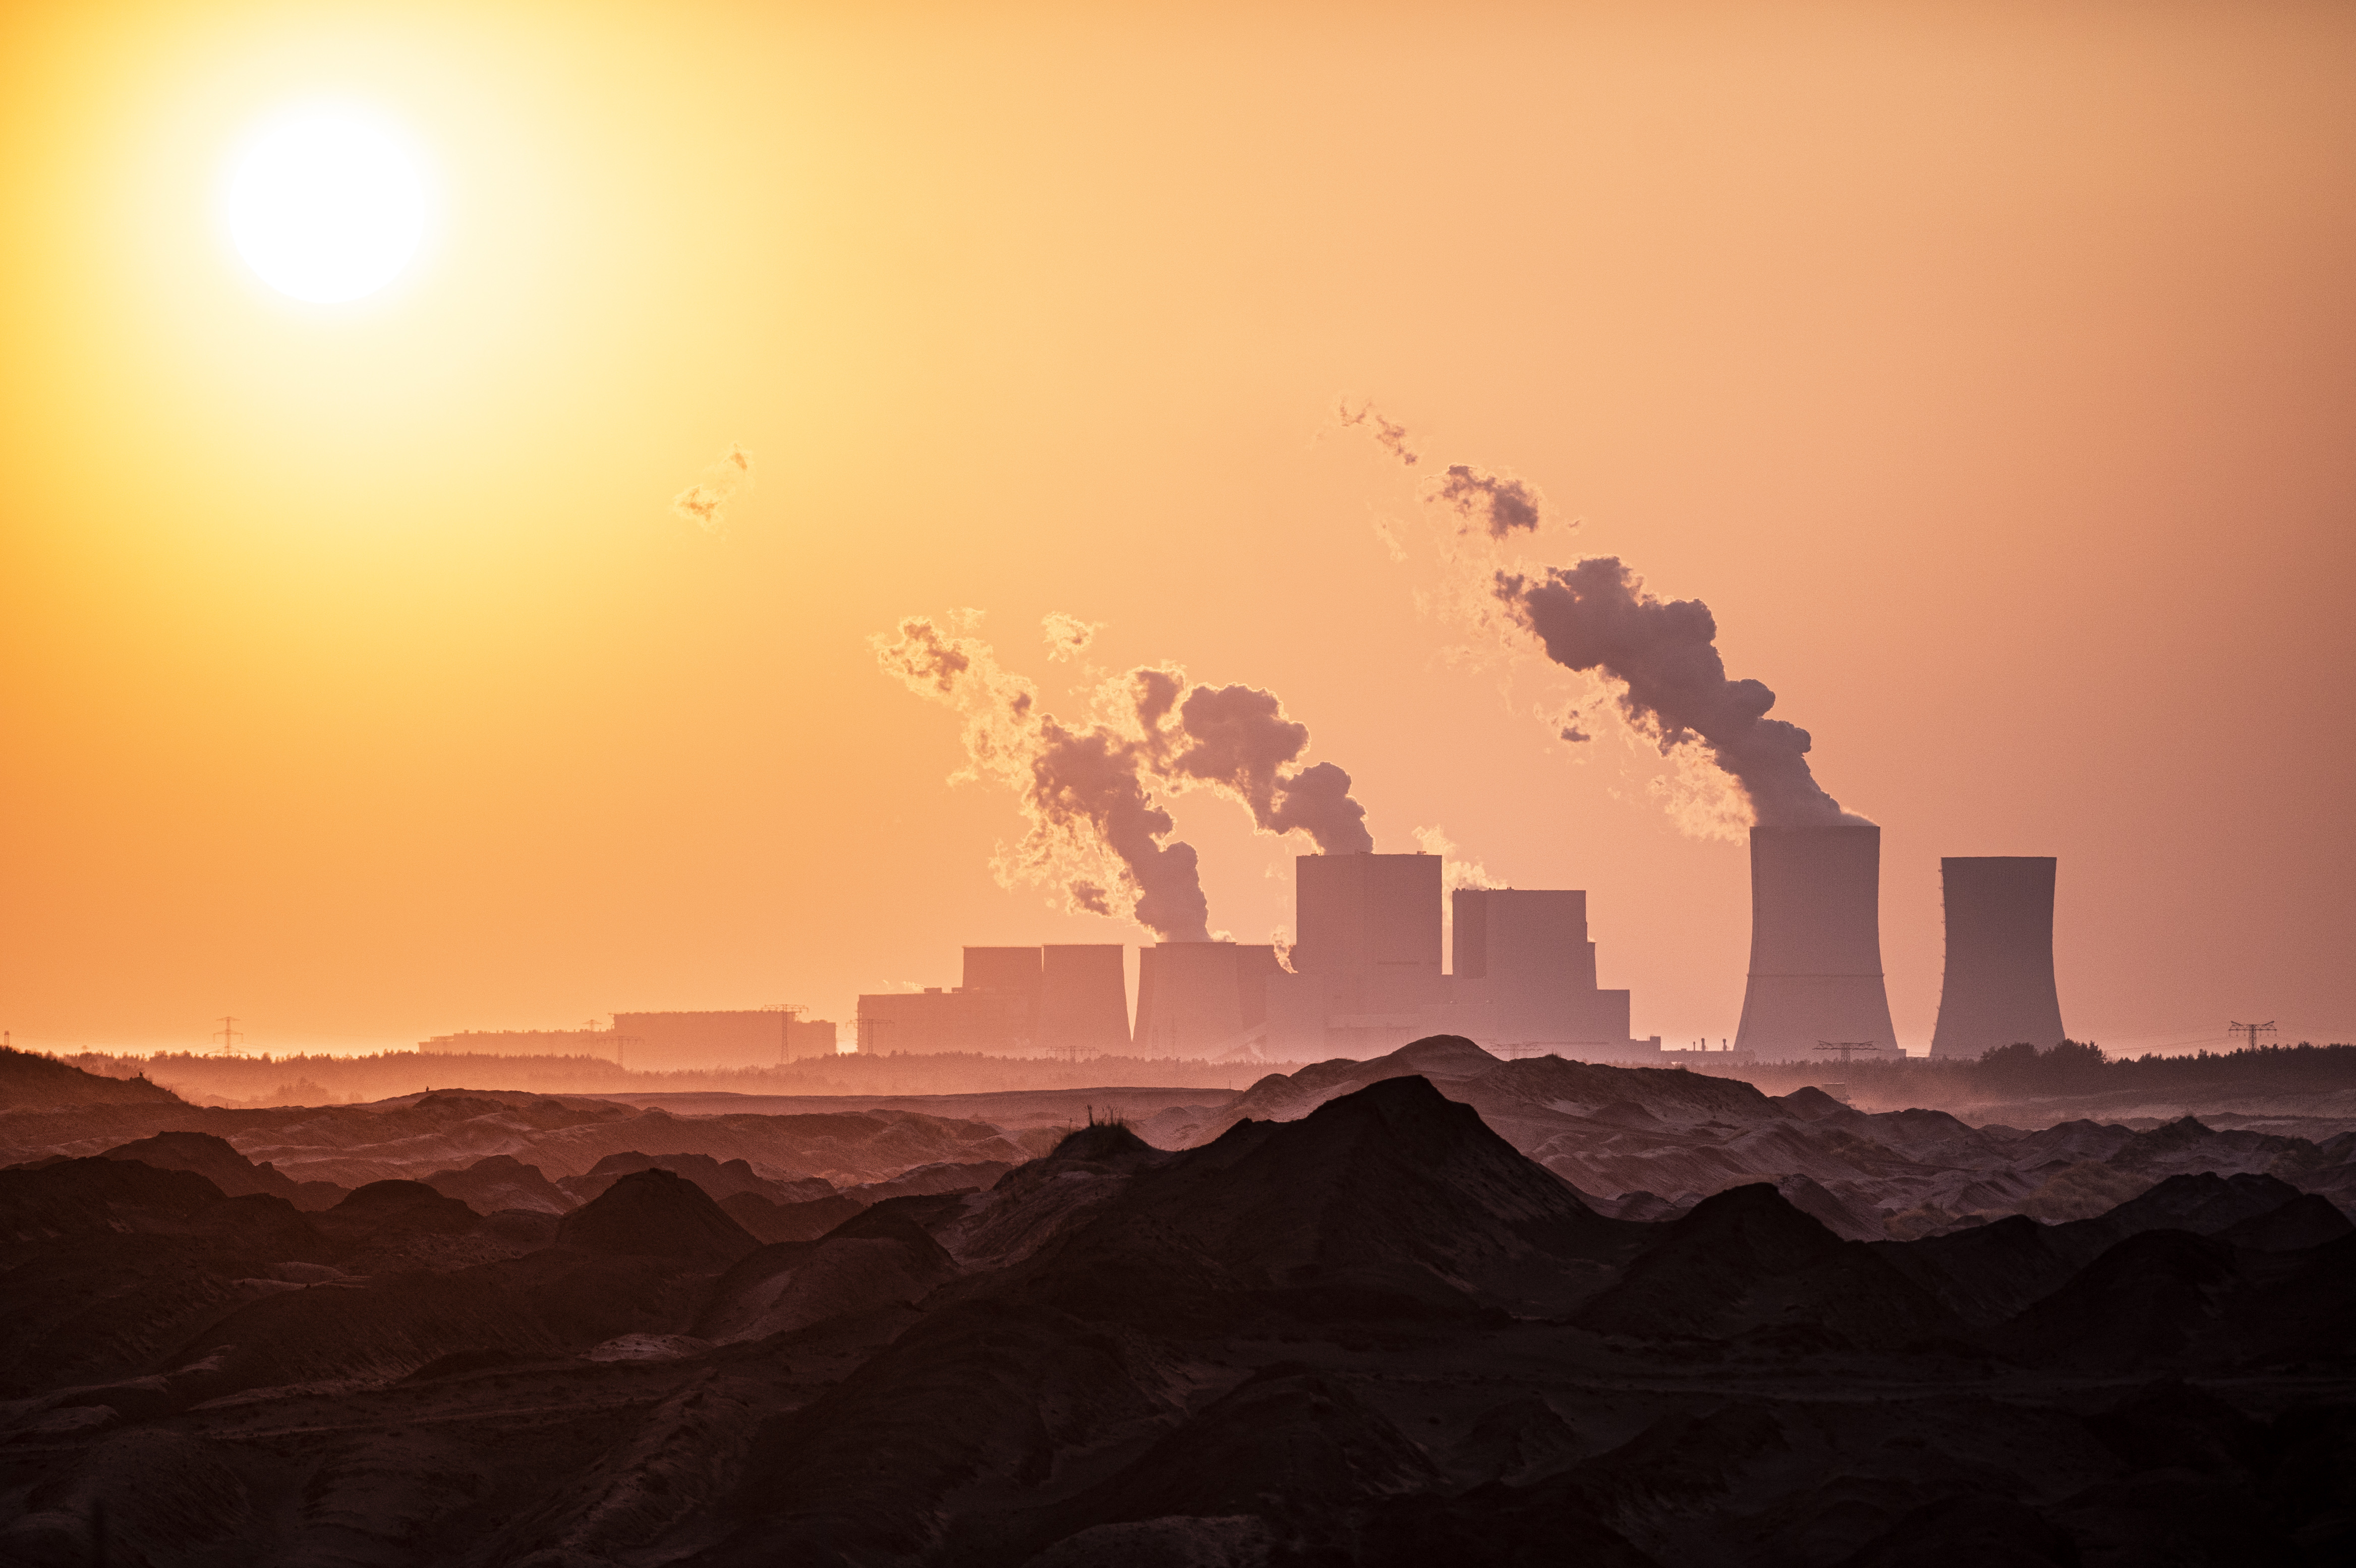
{"x":1432,"y":1307}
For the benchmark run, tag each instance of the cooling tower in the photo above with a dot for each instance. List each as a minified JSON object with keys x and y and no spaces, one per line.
{"x":1816,"y":942}
{"x":1083,"y":997}
{"x":1200,"y":998}
{"x":1999,"y":984}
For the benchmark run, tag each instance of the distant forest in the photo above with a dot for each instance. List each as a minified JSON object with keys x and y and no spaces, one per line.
{"x":2016,"y":1072}
{"x":306,"y":1080}
{"x":2073,"y":1067}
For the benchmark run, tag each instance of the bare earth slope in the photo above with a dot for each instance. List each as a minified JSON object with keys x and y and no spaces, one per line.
{"x":1376,"y":1333}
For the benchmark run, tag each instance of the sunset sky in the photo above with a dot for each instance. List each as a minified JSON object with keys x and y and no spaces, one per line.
{"x":1991,"y":371}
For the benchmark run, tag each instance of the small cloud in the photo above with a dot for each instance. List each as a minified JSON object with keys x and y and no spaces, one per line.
{"x":1067,"y":636}
{"x":1391,"y":438}
{"x":1499,"y":502}
{"x":705,"y":502}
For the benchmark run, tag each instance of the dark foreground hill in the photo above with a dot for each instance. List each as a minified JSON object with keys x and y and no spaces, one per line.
{"x":1637,"y":1144}
{"x":1376,"y":1334}
{"x":29,"y":1080}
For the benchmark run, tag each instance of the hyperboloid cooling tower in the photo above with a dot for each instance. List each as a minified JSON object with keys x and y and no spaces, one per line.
{"x":1084,"y":998}
{"x":1816,"y":942}
{"x":1999,"y":984}
{"x":1200,"y":998}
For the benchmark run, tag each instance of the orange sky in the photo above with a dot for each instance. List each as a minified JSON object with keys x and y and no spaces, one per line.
{"x":1991,"y":371}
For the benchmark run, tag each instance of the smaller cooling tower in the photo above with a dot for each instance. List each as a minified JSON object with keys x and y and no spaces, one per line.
{"x":1201,"y":999}
{"x":1999,"y":985}
{"x":1009,"y":977}
{"x":1083,"y":997}
{"x":1816,"y":942}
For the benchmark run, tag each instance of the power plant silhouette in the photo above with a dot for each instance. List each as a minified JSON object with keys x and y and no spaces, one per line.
{"x":1998,"y":988}
{"x":1816,"y":942}
{"x":1364,"y":978}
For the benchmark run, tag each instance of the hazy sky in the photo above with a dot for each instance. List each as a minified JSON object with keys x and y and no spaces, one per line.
{"x":1990,"y":371}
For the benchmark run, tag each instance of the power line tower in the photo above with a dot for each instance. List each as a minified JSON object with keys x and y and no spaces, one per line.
{"x":2249,"y":1032}
{"x":228,"y":1034}
{"x":793,"y":1011}
{"x":1846,"y":1048}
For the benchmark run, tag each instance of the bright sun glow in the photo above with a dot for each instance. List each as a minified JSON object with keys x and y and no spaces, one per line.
{"x":326,"y":207}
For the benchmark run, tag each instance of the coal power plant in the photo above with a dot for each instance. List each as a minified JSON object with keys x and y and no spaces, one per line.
{"x":709,"y":1039}
{"x":1998,"y":988}
{"x":1815,"y":942}
{"x":1364,"y":978}
{"x":1014,"y":1001}
{"x":1202,"y":998}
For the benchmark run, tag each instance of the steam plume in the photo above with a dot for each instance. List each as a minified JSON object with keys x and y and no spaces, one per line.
{"x":1237,"y":740}
{"x":1500,"y":504}
{"x":1496,"y":502}
{"x":1094,"y":830}
{"x":1391,"y":438}
{"x":1455,"y":871}
{"x":1595,"y":617}
{"x":704,"y":502}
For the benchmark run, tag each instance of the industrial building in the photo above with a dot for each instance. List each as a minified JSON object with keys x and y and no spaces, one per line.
{"x":1999,"y":987}
{"x":1815,"y":942}
{"x":1367,"y":976}
{"x":1014,"y":1001}
{"x":522,"y":1042}
{"x":1364,"y":978}
{"x":1522,"y":974}
{"x":758,"y":1036}
{"x":661,"y":1042}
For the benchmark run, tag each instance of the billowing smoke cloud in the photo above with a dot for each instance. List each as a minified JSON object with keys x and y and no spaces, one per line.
{"x":1498,"y":504}
{"x":1492,"y":501}
{"x":1391,"y":438}
{"x":1067,"y":636}
{"x":1237,"y":740}
{"x":1595,"y":617}
{"x":1095,"y":832}
{"x":705,"y":502}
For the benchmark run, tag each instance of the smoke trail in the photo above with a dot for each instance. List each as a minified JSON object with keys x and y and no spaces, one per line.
{"x":1499,"y":504}
{"x":1595,"y":617}
{"x":1237,"y":740}
{"x":704,"y":502}
{"x":1391,"y":438}
{"x":1094,"y":831}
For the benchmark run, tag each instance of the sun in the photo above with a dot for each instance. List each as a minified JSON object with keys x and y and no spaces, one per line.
{"x":326,"y":206}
